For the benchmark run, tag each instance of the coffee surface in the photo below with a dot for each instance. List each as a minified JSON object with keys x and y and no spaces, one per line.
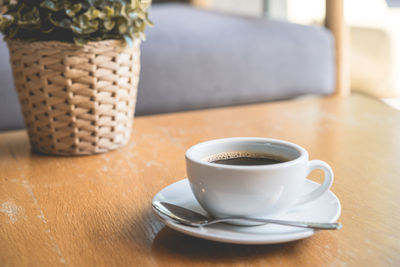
{"x":244,"y":158}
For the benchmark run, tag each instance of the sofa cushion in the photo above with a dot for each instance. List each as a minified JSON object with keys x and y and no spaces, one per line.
{"x":10,"y":113}
{"x":196,"y":59}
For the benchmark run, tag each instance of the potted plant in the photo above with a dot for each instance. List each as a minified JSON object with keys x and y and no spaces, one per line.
{"x":76,"y":69}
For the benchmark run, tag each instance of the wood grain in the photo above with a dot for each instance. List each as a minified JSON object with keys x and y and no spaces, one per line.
{"x":95,"y":210}
{"x":335,"y":21}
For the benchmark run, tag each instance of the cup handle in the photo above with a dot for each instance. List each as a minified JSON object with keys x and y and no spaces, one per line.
{"x":312,"y":165}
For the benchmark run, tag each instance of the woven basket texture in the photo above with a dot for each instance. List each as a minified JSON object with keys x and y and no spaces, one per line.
{"x":76,"y":100}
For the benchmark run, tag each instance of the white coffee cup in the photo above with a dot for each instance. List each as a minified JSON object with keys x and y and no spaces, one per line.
{"x":264,"y":191}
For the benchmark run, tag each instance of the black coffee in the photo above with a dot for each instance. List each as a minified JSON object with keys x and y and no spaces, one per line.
{"x":246,"y":159}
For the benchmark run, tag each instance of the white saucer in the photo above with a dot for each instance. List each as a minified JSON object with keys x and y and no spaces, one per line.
{"x":324,"y":209}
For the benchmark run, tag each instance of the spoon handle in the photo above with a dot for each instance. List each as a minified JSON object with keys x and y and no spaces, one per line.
{"x":313,"y":225}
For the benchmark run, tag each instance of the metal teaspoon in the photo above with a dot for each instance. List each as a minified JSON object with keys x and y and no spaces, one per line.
{"x":192,"y":218}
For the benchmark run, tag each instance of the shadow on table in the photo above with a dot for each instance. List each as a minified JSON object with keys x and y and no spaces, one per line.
{"x":171,"y":245}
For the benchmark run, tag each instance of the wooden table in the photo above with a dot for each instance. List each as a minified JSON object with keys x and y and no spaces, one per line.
{"x":95,"y":210}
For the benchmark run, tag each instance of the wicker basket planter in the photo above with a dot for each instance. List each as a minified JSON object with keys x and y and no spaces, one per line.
{"x":76,"y":100}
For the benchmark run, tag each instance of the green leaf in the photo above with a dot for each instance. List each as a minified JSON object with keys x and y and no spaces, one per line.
{"x":76,"y":8}
{"x":109,"y":25}
{"x":122,"y":28}
{"x":128,"y":40}
{"x":53,"y":6}
{"x":109,"y":12}
{"x":80,"y":41}
{"x":76,"y":29}
{"x":73,"y":10}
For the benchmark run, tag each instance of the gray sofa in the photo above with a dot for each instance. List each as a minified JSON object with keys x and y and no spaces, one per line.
{"x":195,"y":59}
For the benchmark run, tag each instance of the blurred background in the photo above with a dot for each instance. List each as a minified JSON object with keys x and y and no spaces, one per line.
{"x":214,"y":53}
{"x":374,"y":35}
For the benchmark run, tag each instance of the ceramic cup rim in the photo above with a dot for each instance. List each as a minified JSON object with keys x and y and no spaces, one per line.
{"x":191,"y":153}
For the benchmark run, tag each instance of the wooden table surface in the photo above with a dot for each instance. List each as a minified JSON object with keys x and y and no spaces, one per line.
{"x":96,"y":210}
